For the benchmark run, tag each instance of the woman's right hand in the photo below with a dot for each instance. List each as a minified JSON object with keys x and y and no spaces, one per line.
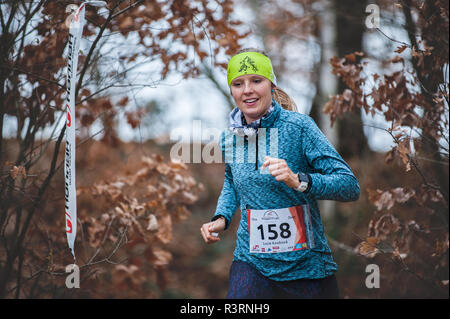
{"x":208,"y":229}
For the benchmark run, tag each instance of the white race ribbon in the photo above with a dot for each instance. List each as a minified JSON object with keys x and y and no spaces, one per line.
{"x":75,"y":34}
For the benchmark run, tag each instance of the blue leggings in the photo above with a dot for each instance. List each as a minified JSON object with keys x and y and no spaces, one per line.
{"x":246,"y":282}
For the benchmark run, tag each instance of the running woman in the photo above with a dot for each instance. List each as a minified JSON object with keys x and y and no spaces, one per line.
{"x":277,"y":165}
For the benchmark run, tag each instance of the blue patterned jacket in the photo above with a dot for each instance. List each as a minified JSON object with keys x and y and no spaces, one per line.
{"x":295,"y":138}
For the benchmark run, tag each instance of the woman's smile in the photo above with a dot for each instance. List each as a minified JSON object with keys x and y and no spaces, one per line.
{"x":251,"y":102}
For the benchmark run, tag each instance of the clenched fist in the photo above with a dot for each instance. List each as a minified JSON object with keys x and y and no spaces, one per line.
{"x":210,"y":230}
{"x":279,"y":169}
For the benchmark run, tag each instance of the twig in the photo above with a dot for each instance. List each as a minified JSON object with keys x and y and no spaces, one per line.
{"x":102,"y":242}
{"x":127,"y":8}
{"x":393,"y":40}
{"x":92,"y":48}
{"x":90,"y":263}
{"x":342,"y":246}
{"x":33,"y":75}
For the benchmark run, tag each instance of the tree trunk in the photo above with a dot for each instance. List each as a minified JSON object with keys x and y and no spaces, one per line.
{"x":326,"y":85}
{"x":350,"y":28}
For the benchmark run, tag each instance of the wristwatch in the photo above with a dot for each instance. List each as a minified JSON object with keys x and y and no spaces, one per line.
{"x":305,"y":182}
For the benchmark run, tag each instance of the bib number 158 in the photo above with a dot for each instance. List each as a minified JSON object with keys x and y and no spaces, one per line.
{"x":274,"y":232}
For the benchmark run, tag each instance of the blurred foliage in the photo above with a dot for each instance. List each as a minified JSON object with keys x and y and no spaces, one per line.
{"x":409,"y":228}
{"x":168,"y":38}
{"x":136,"y":239}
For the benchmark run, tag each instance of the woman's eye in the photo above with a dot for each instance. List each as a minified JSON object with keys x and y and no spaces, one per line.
{"x":257,"y":80}
{"x":236,"y":84}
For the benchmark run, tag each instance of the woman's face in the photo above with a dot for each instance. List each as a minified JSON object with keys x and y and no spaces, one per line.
{"x":252,"y":94}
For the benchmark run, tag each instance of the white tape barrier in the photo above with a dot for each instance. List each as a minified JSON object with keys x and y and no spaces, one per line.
{"x":75,"y":34}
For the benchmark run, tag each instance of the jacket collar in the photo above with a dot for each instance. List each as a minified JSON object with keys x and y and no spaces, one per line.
{"x":269,"y":120}
{"x":239,"y":127}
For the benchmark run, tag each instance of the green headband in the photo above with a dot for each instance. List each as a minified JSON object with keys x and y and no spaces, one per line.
{"x":250,"y":63}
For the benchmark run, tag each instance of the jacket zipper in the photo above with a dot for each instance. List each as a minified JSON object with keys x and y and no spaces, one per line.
{"x":256,"y":162}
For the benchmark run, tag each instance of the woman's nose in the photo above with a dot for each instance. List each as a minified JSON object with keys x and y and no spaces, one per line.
{"x":248,"y":88}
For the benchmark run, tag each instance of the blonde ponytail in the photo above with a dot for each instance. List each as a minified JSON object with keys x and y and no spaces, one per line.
{"x":284,"y":99}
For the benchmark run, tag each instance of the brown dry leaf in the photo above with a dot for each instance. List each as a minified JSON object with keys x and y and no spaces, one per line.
{"x":164,"y":233}
{"x":441,"y":248}
{"x":404,"y":150}
{"x":402,"y":195}
{"x":163,"y":169}
{"x":16,"y":171}
{"x":385,"y":201}
{"x":133,"y":118}
{"x":126,"y":23}
{"x":151,"y":189}
{"x":142,"y":173}
{"x":390,"y":155}
{"x":415,"y":53}
{"x":436,"y":196}
{"x":123,"y":101}
{"x":347,"y":95}
{"x":125,"y":269}
{"x":162,"y":257}
{"x":136,"y":207}
{"x":386,"y":225}
{"x":373,"y":241}
{"x":395,"y":59}
{"x":117,"y":184}
{"x":374,"y":195}
{"x":352,"y":56}
{"x":182,"y":213}
{"x":177,"y":164}
{"x":189,"y":197}
{"x":104,"y":218}
{"x":124,"y":275}
{"x":368,"y":247}
{"x":96,"y":231}
{"x":397,"y":254}
{"x":152,"y":223}
{"x":408,"y":167}
{"x":401,"y":48}
{"x":152,"y":205}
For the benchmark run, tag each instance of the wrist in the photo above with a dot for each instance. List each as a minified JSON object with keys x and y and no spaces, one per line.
{"x":304,"y":184}
{"x":216,"y":217}
{"x":296,"y":181}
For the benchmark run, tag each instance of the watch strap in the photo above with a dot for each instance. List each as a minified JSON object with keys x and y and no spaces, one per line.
{"x":305,"y":182}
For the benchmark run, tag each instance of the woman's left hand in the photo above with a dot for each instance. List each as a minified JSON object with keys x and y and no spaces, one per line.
{"x":279,"y":169}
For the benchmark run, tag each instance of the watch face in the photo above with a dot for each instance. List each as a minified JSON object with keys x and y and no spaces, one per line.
{"x":303,"y":186}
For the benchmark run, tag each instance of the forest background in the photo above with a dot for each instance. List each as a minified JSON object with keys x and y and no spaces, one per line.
{"x":374,"y":76}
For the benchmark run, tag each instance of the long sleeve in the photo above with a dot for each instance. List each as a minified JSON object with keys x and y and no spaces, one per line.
{"x":332,"y":178}
{"x":229,"y":198}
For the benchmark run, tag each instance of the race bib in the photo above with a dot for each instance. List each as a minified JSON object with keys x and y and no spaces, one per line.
{"x":279,"y":230}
